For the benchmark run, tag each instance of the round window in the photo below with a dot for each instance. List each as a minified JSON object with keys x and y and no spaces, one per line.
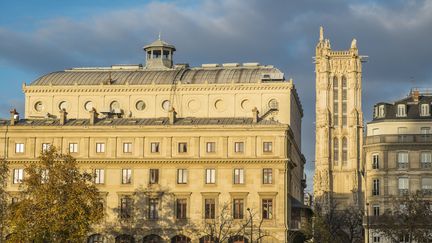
{"x":140,"y":105}
{"x":273,"y":104}
{"x":63,"y":105}
{"x":115,"y":105}
{"x":39,"y":106}
{"x":88,"y":106}
{"x":245,"y":104}
{"x":166,"y":105}
{"x":219,"y":105}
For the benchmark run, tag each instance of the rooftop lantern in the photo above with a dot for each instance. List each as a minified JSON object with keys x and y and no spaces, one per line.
{"x":159,"y":55}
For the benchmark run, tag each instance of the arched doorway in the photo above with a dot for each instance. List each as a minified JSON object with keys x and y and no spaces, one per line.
{"x":180,"y":239}
{"x":152,"y":239}
{"x":124,"y":239}
{"x":238,"y":239}
{"x":208,"y":239}
{"x":96,"y":238}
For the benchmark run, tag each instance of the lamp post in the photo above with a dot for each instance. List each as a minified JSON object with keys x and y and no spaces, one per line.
{"x":251,"y":222}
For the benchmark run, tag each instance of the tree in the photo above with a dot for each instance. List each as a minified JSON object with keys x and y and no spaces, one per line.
{"x":57,"y":202}
{"x":409,"y":218}
{"x":4,"y":170}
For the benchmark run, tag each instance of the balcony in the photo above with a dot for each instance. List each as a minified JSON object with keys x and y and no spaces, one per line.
{"x":406,"y":138}
{"x":403,"y":192}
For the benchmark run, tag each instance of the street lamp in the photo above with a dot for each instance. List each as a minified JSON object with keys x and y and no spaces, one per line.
{"x":251,"y":221}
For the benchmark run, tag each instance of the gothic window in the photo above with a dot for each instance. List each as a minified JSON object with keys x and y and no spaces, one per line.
{"x":344,"y":101}
{"x":335,"y":102}
{"x":344,"y":151}
{"x":335,"y":151}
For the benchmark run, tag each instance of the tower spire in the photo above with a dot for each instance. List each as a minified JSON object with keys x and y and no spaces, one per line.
{"x":321,"y":36}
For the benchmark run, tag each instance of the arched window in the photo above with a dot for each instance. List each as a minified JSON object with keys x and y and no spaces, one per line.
{"x":335,"y":151}
{"x":335,"y":101}
{"x":152,"y":239}
{"x":96,"y":238}
{"x":344,"y":101}
{"x":344,"y":151}
{"x":124,"y":239}
{"x":180,"y":239}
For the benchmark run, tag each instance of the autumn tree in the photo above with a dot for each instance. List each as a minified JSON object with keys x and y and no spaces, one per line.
{"x":3,"y":197}
{"x":57,"y":202}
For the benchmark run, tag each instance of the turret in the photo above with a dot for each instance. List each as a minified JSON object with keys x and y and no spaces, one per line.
{"x":159,"y":55}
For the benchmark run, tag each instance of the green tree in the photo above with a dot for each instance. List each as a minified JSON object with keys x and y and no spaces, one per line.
{"x":3,"y":196}
{"x":57,"y":203}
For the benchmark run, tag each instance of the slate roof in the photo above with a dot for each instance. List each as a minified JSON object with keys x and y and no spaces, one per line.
{"x":412,"y":108}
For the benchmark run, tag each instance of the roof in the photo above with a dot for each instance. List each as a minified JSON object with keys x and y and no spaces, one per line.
{"x":141,"y":122}
{"x":412,"y":108}
{"x":140,"y":76}
{"x":159,"y":43}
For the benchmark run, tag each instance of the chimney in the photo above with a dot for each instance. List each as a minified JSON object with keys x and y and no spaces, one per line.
{"x":172,"y":116}
{"x":415,"y":95}
{"x":14,"y":117}
{"x":255,"y":113}
{"x":63,"y":114}
{"x":93,"y":116}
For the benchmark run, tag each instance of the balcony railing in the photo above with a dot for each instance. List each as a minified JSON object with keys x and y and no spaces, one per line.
{"x":405,"y":138}
{"x":403,"y":191}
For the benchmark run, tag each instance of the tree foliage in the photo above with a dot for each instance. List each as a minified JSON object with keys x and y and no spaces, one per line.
{"x":57,"y":203}
{"x":4,"y":170}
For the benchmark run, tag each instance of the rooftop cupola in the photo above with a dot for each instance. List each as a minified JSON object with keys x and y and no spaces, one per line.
{"x":159,"y":55}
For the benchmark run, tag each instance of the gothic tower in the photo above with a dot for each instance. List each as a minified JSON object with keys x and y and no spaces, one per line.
{"x":339,"y":119}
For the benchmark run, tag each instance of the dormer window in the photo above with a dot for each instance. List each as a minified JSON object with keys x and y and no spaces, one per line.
{"x":381,"y":111}
{"x":401,"y":110}
{"x":424,"y":110}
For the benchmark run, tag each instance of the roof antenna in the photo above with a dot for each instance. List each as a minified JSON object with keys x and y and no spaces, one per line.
{"x":159,"y":37}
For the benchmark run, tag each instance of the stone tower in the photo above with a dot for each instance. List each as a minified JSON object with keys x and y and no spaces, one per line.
{"x":339,"y":120}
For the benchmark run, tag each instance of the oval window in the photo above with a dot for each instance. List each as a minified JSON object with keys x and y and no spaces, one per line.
{"x":140,"y":105}
{"x":166,"y":104}
{"x":115,"y":105}
{"x":63,"y":105}
{"x":38,"y":106}
{"x":88,"y":106}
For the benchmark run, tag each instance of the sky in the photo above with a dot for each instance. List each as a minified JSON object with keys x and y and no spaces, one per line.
{"x":37,"y":37}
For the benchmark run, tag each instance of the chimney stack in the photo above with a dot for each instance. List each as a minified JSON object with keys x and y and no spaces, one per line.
{"x":93,"y":116}
{"x":255,"y":113}
{"x":172,"y":116}
{"x":14,"y":117}
{"x":63,"y":114}
{"x":415,"y":95}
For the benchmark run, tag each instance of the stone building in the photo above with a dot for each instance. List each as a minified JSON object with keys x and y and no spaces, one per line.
{"x":339,"y":118}
{"x":192,"y":139}
{"x":398,"y":154}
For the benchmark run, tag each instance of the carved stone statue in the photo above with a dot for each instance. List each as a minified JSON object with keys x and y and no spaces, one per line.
{"x":354,"y":44}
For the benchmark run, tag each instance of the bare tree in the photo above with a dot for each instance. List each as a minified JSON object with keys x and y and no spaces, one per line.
{"x":3,"y":197}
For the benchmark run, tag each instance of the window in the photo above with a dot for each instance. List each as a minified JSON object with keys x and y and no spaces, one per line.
{"x":376,"y":239}
{"x":154,"y":176}
{"x":239,"y":147}
{"x":426,"y":185}
{"x":99,"y":176}
{"x":182,"y":147}
{"x":210,"y":208}
{"x":426,"y":159}
{"x":211,"y":147}
{"x":73,"y":148}
{"x":153,"y":208}
{"x":335,"y":151}
{"x":127,"y":147}
{"x":182,"y":176}
{"x":381,"y":111}
{"x":267,"y":208}
{"x":375,"y":114}
{"x":126,"y":207}
{"x":14,"y":200}
{"x":238,"y":206}
{"x":100,"y":148}
{"x":403,"y":185}
{"x":45,"y":147}
{"x":19,"y":148}
{"x":18,"y":176}
{"x":44,"y":175}
{"x":425,"y":130}
{"x":267,"y":147}
{"x":376,"y":210}
{"x":424,"y":110}
{"x":335,"y":102}
{"x":344,"y":151}
{"x":267,"y":176}
{"x":344,"y":101}
{"x":375,"y":161}
{"x":238,"y":176}
{"x":401,"y":110}
{"x":210,"y":176}
{"x":154,"y":147}
{"x":402,"y":158}
{"x":126,"y":176}
{"x":181,"y":205}
{"x":376,"y":187}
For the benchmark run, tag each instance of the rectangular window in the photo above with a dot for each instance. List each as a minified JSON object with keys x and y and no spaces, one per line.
{"x":426,"y":159}
{"x":403,"y":185}
{"x":426,"y":185}
{"x":100,"y":148}
{"x":376,"y":239}
{"x":181,"y":207}
{"x":73,"y":148}
{"x":425,"y":130}
{"x":267,"y":176}
{"x":182,"y":147}
{"x":376,"y":210}
{"x":238,"y":176}
{"x":127,"y":147}
{"x":18,"y":176}
{"x":99,"y":176}
{"x":210,"y":208}
{"x":381,"y":111}
{"x":239,"y":147}
{"x":376,"y":187}
{"x":402,"y":158}
{"x":267,"y":208}
{"x":375,"y":161}
{"x":211,"y":147}
{"x":238,"y":206}
{"x":401,"y":110}
{"x":126,"y":207}
{"x":210,"y":176}
{"x":154,"y":147}
{"x":19,"y":148}
{"x":267,"y":147}
{"x":153,"y":208}
{"x":126,"y":176}
{"x":154,"y":176}
{"x":182,"y":176}
{"x":45,"y":147}
{"x":424,"y":110}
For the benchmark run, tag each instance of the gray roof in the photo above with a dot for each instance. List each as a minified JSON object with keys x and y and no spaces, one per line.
{"x":141,"y":122}
{"x":412,"y":109}
{"x":140,"y":76}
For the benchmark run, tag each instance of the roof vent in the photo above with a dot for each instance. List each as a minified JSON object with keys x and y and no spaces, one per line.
{"x":232,"y":64}
{"x":210,"y":65}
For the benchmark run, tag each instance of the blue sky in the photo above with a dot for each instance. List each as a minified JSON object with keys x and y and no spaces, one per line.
{"x":42,"y":36}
